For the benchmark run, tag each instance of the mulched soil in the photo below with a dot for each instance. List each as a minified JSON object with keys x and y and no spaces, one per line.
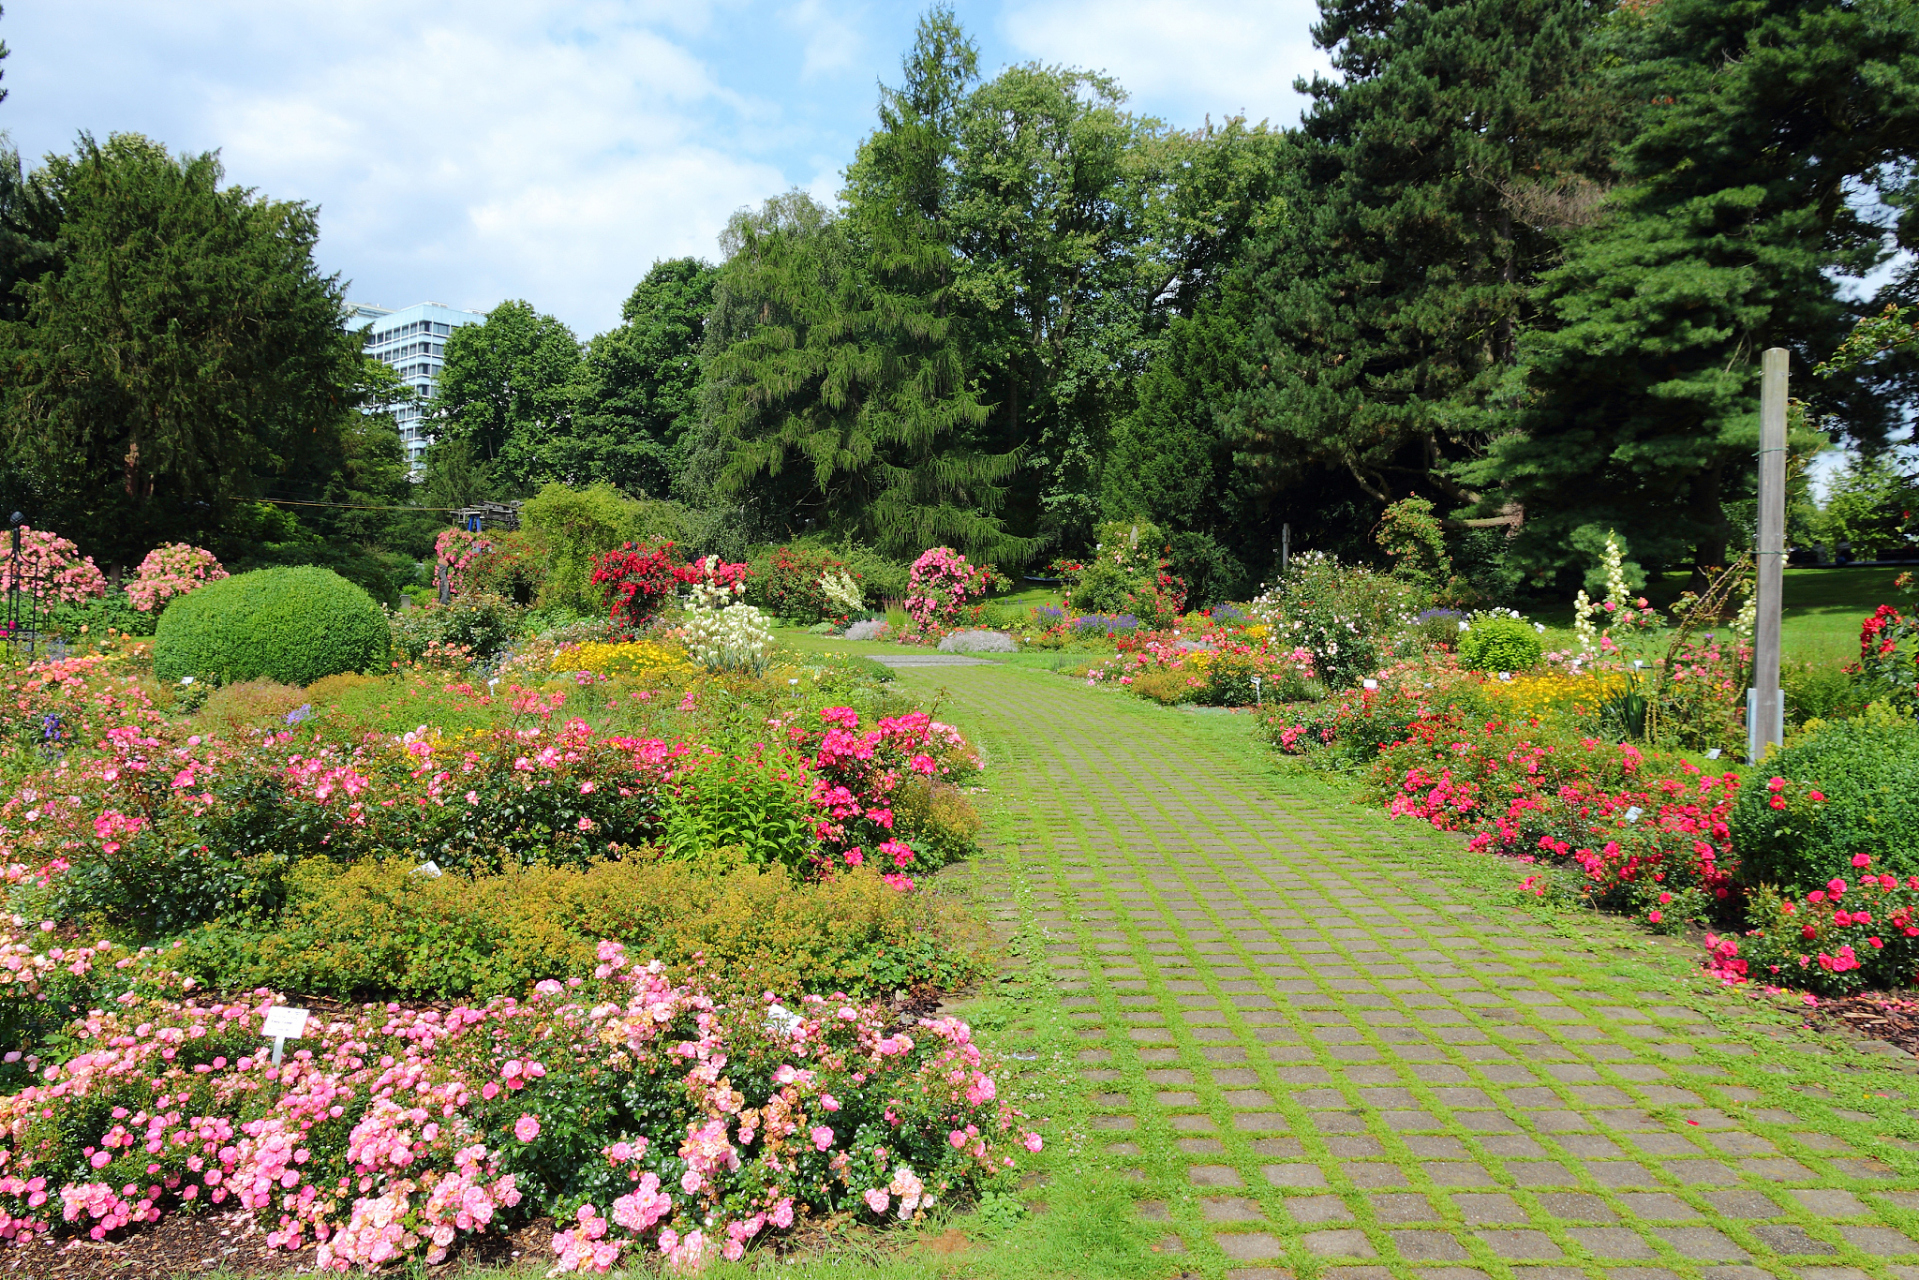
{"x":1892,"y":1019}
{"x":184,"y":1244}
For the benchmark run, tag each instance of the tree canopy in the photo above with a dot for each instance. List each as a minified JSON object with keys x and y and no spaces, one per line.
{"x":177,"y":348}
{"x":1516,"y":264}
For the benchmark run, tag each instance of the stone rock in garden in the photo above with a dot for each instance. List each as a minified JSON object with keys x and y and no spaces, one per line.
{"x":1190,"y":645}
{"x":978,"y":642}
{"x":868,"y":629}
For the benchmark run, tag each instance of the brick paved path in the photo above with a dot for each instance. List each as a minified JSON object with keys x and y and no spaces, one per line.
{"x":1310,"y":1056}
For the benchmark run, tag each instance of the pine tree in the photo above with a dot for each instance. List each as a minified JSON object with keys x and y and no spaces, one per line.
{"x":1431,"y":185}
{"x":1756,"y":119}
{"x":849,"y":382}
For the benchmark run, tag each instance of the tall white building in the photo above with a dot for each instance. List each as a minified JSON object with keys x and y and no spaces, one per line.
{"x":413,"y":341}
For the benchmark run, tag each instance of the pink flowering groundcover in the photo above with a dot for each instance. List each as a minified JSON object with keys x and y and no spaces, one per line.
{"x":641,"y":1115}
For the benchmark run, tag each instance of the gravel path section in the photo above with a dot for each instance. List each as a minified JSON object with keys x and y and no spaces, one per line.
{"x":1316,"y":1056}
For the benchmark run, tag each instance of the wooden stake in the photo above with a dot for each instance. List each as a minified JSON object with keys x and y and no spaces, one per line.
{"x":1765,"y":717}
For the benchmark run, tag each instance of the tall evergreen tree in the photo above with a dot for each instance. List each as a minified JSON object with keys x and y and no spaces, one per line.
{"x":847,"y":389}
{"x":180,"y":349}
{"x":1432,"y":184}
{"x":1758,"y":122}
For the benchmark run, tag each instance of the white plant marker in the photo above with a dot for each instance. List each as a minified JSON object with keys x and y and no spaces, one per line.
{"x":283,"y":1024}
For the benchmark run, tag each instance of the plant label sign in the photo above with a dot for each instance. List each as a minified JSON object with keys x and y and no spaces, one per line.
{"x":283,"y":1024}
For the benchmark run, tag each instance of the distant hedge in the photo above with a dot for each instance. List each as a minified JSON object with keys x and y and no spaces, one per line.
{"x":1499,"y":644}
{"x":293,"y":625}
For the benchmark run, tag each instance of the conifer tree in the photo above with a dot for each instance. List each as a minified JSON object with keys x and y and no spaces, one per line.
{"x":1756,"y":121}
{"x":1432,"y":184}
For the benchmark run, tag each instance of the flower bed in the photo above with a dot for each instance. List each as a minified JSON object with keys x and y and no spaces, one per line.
{"x":1646,"y":833}
{"x":639,"y":1114}
{"x":1219,"y":670}
{"x":161,"y":832}
{"x":665,"y":1107}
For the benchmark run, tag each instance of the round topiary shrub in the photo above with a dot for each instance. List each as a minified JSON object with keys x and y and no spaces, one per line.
{"x":292,"y":625}
{"x":1499,"y":644}
{"x":1847,"y":788}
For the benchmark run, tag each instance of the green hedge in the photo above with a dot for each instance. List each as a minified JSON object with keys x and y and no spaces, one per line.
{"x":292,"y":625}
{"x":1499,"y":644}
{"x":1868,"y":771}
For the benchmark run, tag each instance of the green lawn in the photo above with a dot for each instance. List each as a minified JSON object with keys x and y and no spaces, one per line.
{"x":1823,"y":610}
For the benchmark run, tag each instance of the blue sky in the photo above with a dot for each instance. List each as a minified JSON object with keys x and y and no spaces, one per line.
{"x":485,"y":149}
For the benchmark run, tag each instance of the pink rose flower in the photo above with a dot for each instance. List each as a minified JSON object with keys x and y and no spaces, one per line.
{"x":526,"y":1128}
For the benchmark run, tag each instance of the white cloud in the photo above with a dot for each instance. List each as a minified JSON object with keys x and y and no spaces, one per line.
{"x":833,"y":41}
{"x":472,"y":157}
{"x":1181,"y":59}
{"x":549,"y":149}
{"x":463,"y":153}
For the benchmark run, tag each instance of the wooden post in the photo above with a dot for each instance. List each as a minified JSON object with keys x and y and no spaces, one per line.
{"x":1765,"y":713}
{"x":446,"y":586}
{"x":1285,"y":547}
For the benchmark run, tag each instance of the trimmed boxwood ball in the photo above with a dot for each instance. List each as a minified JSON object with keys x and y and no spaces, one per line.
{"x":1869,"y":775}
{"x":292,"y":625}
{"x":1499,"y":644}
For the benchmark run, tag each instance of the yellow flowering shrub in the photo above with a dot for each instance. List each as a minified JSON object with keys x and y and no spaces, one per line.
{"x":629,"y":659}
{"x":1555,"y":695}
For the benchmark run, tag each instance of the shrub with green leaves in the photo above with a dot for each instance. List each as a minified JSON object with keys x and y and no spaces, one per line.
{"x":385,"y":930}
{"x":1499,"y":643}
{"x":1842,"y":789}
{"x":478,"y":625}
{"x":753,"y":799}
{"x":72,"y":620}
{"x":293,"y":625}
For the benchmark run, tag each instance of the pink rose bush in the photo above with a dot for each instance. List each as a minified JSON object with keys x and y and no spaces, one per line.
{"x":462,"y":552}
{"x":171,"y":822}
{"x":72,"y":703}
{"x":171,"y":571}
{"x":1217,"y":670}
{"x":50,"y":567}
{"x":938,"y":587}
{"x":858,"y":775}
{"x":642,"y":1115}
